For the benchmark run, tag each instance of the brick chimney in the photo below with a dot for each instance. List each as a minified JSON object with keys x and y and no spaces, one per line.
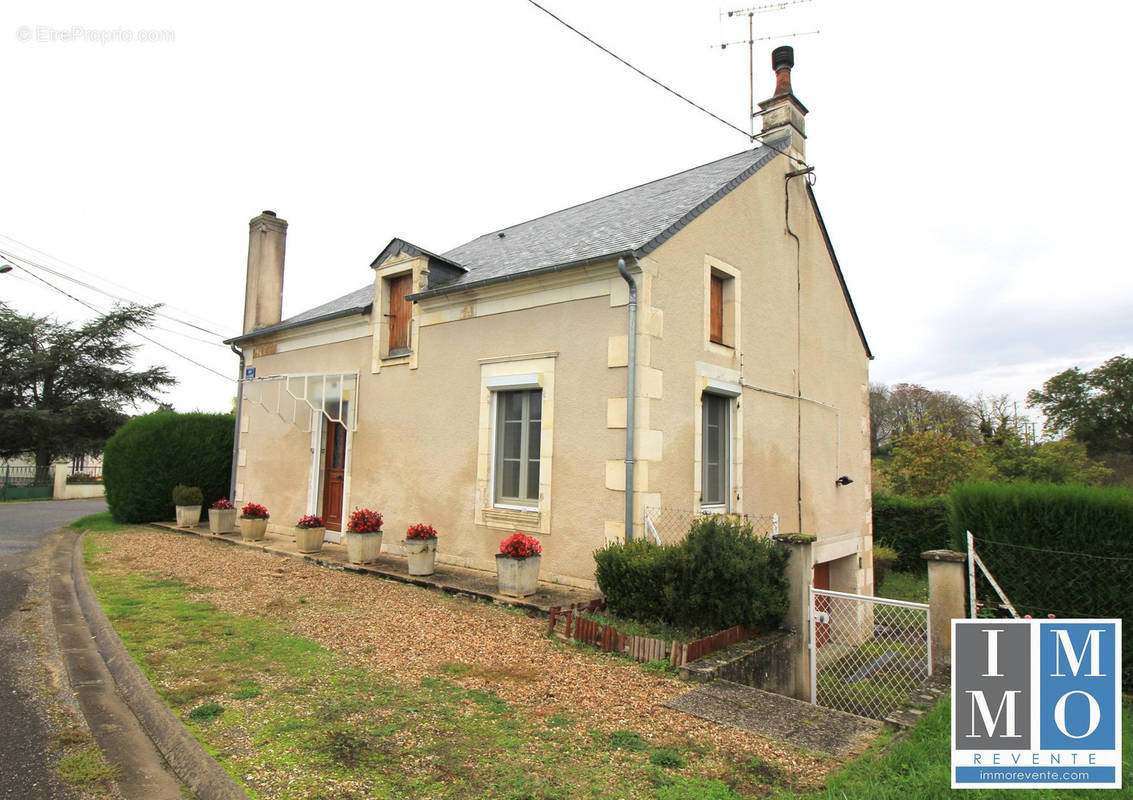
{"x":783,"y":114}
{"x":263,"y":294}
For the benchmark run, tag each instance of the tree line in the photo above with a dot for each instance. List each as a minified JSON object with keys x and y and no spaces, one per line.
{"x":924,"y":441}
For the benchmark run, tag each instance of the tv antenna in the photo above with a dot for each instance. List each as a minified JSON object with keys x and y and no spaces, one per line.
{"x":751,"y":39}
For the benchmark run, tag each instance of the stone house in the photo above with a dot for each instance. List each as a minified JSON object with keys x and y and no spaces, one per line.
{"x":484,"y":390}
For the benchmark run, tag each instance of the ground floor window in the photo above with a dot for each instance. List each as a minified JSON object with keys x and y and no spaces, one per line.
{"x":716,"y":458}
{"x":517,"y":439}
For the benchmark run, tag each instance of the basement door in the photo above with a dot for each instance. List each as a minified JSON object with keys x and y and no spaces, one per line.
{"x":334,"y":472}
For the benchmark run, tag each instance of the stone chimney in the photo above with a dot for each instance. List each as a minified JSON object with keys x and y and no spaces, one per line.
{"x":263,"y":294}
{"x":783,"y":114}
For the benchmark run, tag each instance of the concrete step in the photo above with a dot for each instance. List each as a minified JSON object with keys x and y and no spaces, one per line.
{"x":774,"y":716}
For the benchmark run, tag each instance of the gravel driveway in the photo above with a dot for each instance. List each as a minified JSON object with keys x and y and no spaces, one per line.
{"x":404,"y":632}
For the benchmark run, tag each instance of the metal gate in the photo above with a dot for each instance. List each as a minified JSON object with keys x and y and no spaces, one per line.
{"x":867,"y":654}
{"x":26,"y":483}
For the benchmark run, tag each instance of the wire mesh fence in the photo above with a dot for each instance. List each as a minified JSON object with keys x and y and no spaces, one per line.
{"x":1044,"y":582}
{"x":869,"y":654}
{"x":671,"y":525}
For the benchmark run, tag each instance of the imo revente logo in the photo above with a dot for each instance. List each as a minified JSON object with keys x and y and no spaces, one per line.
{"x":1036,"y":703}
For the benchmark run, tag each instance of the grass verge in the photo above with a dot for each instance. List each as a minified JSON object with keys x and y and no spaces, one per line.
{"x":287,"y":719}
{"x":102,"y":521}
{"x":918,"y":765}
{"x":905,"y":586}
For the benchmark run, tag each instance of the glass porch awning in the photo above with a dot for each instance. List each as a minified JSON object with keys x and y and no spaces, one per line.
{"x":299,"y":399}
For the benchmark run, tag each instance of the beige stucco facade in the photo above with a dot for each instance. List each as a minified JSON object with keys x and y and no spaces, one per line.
{"x":794,"y":368}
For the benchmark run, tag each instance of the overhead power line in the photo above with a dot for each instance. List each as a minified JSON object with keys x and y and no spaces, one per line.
{"x":30,"y":262}
{"x":103,"y":279}
{"x":136,"y":333}
{"x":750,"y":136}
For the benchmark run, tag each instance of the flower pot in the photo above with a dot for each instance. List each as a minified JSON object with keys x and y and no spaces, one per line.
{"x":188,"y":516}
{"x":253,"y":529}
{"x":422,"y":555}
{"x":222,"y":520}
{"x":309,"y":540}
{"x":517,"y":577}
{"x":362,"y":548}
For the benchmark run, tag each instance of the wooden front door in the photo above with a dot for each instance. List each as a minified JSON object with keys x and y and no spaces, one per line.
{"x":334,"y":469}
{"x":821,"y":603}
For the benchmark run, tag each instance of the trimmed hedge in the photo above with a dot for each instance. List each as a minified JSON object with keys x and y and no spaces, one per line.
{"x":1061,"y":549}
{"x":719,"y":576}
{"x":910,"y":525}
{"x":151,"y":454}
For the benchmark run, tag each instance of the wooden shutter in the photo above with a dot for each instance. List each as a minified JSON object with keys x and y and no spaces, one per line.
{"x":400,"y":312}
{"x":716,"y":310}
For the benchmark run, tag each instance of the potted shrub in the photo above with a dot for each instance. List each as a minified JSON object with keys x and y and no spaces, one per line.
{"x":253,"y":522}
{"x":421,"y":545}
{"x":309,"y":531}
{"x":222,"y":516}
{"x":187,"y":500}
{"x":517,"y":565}
{"x":363,"y":536}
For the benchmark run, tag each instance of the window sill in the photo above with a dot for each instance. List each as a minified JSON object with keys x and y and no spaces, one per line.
{"x":393,"y":359}
{"x":512,"y":518}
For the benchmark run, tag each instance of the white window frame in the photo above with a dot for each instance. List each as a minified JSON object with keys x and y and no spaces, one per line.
{"x":514,"y":373}
{"x":726,"y":457}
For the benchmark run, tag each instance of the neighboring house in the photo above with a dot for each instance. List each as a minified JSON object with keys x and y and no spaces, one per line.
{"x":484,"y":390}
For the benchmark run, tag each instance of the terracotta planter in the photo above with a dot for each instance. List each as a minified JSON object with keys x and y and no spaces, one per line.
{"x":188,"y":516}
{"x":517,"y":577}
{"x":422,"y":555}
{"x":222,"y":520}
{"x":309,"y":540}
{"x":362,"y":548}
{"x":253,"y":529}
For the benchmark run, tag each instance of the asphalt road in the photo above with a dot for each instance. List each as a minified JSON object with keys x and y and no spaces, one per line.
{"x":24,"y":736}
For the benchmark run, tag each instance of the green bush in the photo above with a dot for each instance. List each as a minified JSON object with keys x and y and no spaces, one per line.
{"x":1060,"y":549}
{"x":883,"y":560}
{"x":151,"y":454}
{"x":187,"y":495}
{"x":719,"y":576}
{"x":910,"y":525}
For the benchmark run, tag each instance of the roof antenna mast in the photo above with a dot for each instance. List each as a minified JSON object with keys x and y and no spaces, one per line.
{"x":750,"y":13}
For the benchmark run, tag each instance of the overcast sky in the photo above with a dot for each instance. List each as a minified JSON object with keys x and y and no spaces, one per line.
{"x":972,"y":158}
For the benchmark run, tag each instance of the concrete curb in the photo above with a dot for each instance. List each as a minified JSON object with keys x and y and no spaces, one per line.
{"x":192,"y":764}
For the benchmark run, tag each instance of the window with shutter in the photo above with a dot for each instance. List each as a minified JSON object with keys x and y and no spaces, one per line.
{"x":716,"y":310}
{"x":400,"y":313}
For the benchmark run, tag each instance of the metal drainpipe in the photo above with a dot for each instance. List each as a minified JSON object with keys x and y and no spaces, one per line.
{"x":236,"y":427}
{"x":631,"y":403}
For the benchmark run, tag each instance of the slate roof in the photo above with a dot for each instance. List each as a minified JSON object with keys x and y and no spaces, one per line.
{"x":633,"y":222}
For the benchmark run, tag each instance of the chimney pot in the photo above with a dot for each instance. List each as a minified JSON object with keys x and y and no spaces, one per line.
{"x":782,"y":59}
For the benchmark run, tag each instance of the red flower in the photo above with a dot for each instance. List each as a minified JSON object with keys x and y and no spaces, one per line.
{"x":310,"y":521}
{"x":520,"y":545}
{"x":421,"y":531}
{"x":363,"y":520}
{"x":223,"y":504}
{"x":254,"y":511}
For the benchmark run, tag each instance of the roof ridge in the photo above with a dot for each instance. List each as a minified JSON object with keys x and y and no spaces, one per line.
{"x":497,"y":231}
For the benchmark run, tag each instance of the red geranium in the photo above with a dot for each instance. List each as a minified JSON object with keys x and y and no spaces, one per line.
{"x":520,"y":545}
{"x":363,"y":520}
{"x":254,"y":511}
{"x":223,"y":504}
{"x":421,"y":531}
{"x":310,"y":521}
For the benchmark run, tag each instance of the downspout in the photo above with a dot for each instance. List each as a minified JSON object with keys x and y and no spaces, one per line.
{"x":236,"y":426}
{"x":798,"y":336}
{"x":631,"y":388}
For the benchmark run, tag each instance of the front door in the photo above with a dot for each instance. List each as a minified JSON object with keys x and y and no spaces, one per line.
{"x":333,"y":475}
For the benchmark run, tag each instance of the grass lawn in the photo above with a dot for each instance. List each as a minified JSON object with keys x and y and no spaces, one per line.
{"x":904,"y":586}
{"x":917,"y":766}
{"x":291,"y":717}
